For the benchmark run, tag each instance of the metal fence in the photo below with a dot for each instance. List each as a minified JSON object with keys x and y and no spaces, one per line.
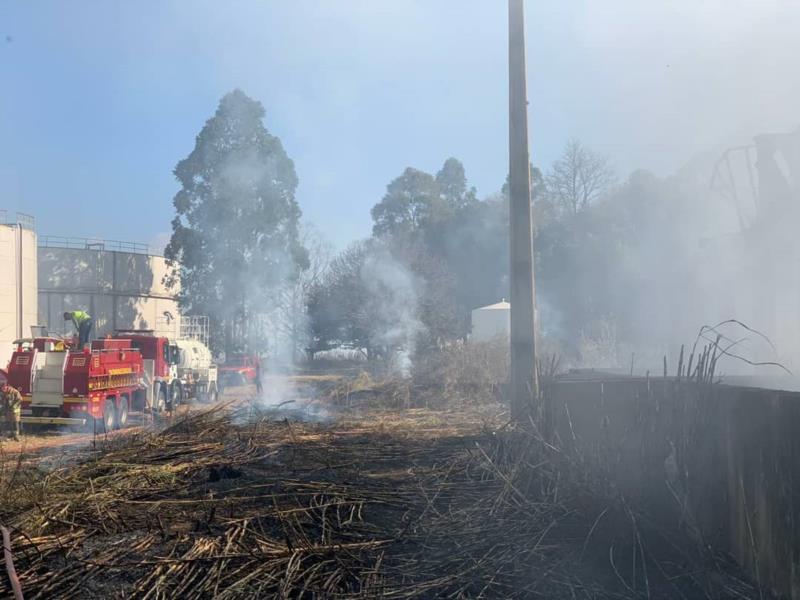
{"x":57,"y":241}
{"x":20,"y":219}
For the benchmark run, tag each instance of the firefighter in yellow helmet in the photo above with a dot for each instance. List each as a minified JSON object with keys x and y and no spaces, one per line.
{"x":11,"y":408}
{"x":83,"y":323}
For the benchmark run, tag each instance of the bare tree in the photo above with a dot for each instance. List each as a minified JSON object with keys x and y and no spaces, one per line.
{"x":578,"y":178}
{"x":285,"y":325}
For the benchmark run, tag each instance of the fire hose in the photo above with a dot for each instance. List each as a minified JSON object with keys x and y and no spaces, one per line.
{"x":12,"y":572}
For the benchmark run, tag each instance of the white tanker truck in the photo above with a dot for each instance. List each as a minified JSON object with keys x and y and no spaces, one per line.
{"x":197,"y":372}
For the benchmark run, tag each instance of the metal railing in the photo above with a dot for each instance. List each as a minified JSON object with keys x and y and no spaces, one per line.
{"x":195,"y":327}
{"x":77,"y":243}
{"x":20,"y":219}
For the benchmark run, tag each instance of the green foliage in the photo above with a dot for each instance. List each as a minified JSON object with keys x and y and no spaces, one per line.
{"x":412,"y":200}
{"x":335,"y":307}
{"x":594,"y":257}
{"x":451,"y":181}
{"x":447,"y":244}
{"x":434,"y":229}
{"x":367,"y":300}
{"x":235,"y":233}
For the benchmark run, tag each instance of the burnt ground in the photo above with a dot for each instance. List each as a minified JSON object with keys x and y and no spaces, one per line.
{"x":247,"y":501}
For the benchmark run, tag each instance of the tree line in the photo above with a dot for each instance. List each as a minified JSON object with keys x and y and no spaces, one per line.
{"x":436,"y":252}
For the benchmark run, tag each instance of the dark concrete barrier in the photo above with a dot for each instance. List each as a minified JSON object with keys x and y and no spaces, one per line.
{"x":720,"y":461}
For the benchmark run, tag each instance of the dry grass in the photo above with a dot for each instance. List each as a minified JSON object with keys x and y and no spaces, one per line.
{"x":233,"y":503}
{"x":390,"y":498}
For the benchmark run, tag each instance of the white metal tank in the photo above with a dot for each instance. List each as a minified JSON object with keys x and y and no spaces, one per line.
{"x":18,"y":281}
{"x":491,"y":322}
{"x":120,"y":284}
{"x":194,"y":355}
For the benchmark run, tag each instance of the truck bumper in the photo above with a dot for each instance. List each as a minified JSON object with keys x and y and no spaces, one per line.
{"x":52,"y":421}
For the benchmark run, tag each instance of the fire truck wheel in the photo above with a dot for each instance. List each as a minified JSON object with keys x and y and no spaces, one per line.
{"x":109,"y":416}
{"x":160,"y":404}
{"x":122,"y":415}
{"x":175,"y":395}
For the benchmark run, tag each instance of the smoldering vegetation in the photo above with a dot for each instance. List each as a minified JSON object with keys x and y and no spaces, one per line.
{"x":393,"y":500}
{"x":628,"y":269}
{"x":380,"y":459}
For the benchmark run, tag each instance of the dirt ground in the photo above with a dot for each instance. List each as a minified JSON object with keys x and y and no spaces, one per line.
{"x":293,"y":393}
{"x":49,"y":441}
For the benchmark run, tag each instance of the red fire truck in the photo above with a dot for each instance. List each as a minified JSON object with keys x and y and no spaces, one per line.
{"x":161,"y":382}
{"x":63,"y":386}
{"x":175,"y":370}
{"x":239,"y":369}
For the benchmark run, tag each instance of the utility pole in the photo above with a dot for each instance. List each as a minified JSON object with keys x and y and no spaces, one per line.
{"x":523,"y":386}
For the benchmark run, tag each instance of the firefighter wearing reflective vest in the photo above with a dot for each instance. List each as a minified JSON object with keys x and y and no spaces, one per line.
{"x":11,"y":407}
{"x":83,"y":324}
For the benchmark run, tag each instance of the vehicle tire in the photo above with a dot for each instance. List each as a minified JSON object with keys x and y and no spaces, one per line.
{"x":160,"y":399}
{"x":109,"y":416}
{"x":175,"y":396}
{"x":122,"y":414}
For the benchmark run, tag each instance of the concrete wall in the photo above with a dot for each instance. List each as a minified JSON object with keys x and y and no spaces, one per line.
{"x":18,"y":300}
{"x":729,"y":455}
{"x":121,"y":290}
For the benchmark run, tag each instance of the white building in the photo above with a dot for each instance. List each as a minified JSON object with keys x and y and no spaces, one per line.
{"x":491,"y":322}
{"x":18,"y":268}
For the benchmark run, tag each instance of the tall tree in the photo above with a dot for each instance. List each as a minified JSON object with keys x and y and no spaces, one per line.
{"x":287,"y":325}
{"x":579,"y":177}
{"x":538,"y":185}
{"x":411,"y":201}
{"x":451,"y":181}
{"x":235,"y":233}
{"x":367,"y":300}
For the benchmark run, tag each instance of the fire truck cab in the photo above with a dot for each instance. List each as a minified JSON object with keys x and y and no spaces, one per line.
{"x":239,"y":369}
{"x":160,"y":359}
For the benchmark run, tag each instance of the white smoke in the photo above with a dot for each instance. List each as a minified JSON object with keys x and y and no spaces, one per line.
{"x":392,"y":299}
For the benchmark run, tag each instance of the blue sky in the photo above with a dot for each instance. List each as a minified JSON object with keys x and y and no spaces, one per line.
{"x":100,"y":99}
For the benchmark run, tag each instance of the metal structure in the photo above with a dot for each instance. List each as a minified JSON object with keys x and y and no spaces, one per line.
{"x":120,"y":289}
{"x":79,"y":243}
{"x":23,"y":220}
{"x":760,"y":176}
{"x":523,"y":386}
{"x":724,"y":181}
{"x":194,"y":327}
{"x":18,"y":280}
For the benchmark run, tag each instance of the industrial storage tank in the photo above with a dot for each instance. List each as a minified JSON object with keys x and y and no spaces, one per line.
{"x":194,"y":355}
{"x":18,"y":309}
{"x":491,"y":322}
{"x":120,"y":284}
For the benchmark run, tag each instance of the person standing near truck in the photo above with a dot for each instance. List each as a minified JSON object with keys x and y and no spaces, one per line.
{"x":83,"y":324}
{"x":259,"y":385}
{"x":11,"y":408}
